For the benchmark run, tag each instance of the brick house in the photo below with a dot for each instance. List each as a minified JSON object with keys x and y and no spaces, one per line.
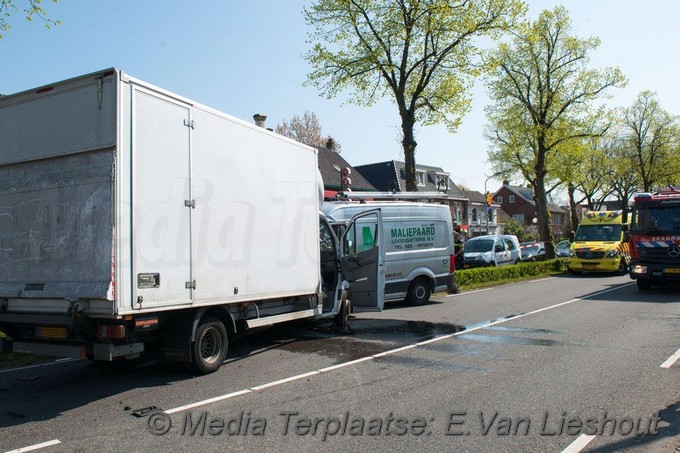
{"x":518,"y":202}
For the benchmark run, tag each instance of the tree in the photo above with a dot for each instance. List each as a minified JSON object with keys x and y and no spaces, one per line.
{"x":542,"y":91}
{"x":652,"y":137}
{"x":306,"y":130}
{"x":32,"y":9}
{"x":622,"y":181}
{"x":418,"y":52}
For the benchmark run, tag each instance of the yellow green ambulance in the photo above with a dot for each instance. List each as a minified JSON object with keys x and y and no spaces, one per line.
{"x":599,"y":245}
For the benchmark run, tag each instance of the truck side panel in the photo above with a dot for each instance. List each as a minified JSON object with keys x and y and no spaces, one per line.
{"x":255,"y":226}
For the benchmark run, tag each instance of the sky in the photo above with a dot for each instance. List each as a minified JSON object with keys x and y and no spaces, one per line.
{"x":244,"y":58}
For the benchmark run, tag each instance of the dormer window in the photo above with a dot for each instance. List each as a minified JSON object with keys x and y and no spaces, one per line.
{"x":421,"y":178}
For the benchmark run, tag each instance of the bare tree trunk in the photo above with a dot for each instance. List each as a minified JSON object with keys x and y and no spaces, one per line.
{"x":409,"y":144}
{"x":572,"y":206}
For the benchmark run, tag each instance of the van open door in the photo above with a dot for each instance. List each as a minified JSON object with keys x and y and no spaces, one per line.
{"x":363,"y":261}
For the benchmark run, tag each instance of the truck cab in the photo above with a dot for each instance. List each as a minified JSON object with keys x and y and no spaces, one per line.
{"x":655,"y":238}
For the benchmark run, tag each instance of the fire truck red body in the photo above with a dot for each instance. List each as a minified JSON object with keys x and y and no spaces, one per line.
{"x":655,"y":238}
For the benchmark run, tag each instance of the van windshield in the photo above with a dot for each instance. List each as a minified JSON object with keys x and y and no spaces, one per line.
{"x":598,"y":233}
{"x":483,"y":245}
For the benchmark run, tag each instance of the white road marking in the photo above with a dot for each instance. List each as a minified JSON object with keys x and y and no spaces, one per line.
{"x":579,"y":444}
{"x":56,"y":362}
{"x":541,"y":279}
{"x":382,"y":354}
{"x":204,"y":402}
{"x":36,"y":446}
{"x":671,"y":360}
{"x":284,"y":381}
{"x":469,"y":292}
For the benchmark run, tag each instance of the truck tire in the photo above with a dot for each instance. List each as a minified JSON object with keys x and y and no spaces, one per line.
{"x":209,"y":349}
{"x":419,"y":292}
{"x":643,"y":285}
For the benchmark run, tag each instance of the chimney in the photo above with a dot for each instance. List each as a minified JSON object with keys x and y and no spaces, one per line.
{"x":506,"y":182}
{"x":330,"y":144}
{"x":259,"y":119}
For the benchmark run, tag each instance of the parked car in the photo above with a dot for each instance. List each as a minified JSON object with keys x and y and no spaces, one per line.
{"x":562,"y":249}
{"x":532,"y":251}
{"x":493,"y":250}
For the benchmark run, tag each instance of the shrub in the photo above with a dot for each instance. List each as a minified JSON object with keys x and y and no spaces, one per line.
{"x":521,"y":270}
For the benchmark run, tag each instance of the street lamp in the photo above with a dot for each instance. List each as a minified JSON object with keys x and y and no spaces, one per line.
{"x":488,"y":208}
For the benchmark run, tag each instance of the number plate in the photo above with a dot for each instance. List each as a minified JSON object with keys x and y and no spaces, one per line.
{"x":672,"y":270}
{"x":589,"y":265}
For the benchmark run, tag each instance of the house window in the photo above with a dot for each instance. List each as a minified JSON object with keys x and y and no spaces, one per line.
{"x":519,"y":218}
{"x":420,"y":178}
{"x":499,"y":199}
{"x":511,"y":198}
{"x":489,"y":215}
{"x":474,"y":215}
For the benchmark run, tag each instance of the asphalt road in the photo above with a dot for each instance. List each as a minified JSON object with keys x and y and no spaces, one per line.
{"x":567,"y":363}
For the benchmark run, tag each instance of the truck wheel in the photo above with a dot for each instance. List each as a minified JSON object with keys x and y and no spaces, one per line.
{"x":419,"y":292}
{"x":210,"y":346}
{"x":643,"y":285}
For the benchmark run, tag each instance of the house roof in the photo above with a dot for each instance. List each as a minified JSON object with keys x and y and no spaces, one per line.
{"x":527,"y":193}
{"x":330,"y":164}
{"x":474,"y":196}
{"x":390,"y":176}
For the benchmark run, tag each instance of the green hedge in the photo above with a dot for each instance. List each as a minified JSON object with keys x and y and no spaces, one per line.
{"x":494,"y":274}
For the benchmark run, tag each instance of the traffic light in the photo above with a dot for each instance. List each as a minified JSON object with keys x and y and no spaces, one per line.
{"x":345,"y":180}
{"x":489,"y":199}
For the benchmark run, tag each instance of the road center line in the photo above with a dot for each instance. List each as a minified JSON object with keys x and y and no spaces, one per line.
{"x":382,"y":354}
{"x":36,"y":446}
{"x":671,"y":360}
{"x":579,"y":444}
{"x":469,"y":292}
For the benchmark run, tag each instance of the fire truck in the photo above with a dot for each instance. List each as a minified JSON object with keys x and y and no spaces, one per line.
{"x":655,"y":238}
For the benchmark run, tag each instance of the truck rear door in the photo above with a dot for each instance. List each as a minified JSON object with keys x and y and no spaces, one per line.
{"x":363,"y":261}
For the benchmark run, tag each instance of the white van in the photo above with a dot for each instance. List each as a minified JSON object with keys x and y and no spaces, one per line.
{"x":492,"y":250}
{"x":418,"y":244}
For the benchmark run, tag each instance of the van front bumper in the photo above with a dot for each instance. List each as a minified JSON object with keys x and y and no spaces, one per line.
{"x":603,"y":265}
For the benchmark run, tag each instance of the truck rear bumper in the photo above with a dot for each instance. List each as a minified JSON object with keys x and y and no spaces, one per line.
{"x":49,"y":349}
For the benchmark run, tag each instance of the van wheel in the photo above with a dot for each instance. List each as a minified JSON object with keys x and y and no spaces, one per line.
{"x":623,"y":268}
{"x":419,"y":292}
{"x":209,"y":349}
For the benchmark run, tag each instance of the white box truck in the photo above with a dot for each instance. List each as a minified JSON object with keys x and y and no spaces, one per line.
{"x":130,"y":215}
{"x":419,"y":251}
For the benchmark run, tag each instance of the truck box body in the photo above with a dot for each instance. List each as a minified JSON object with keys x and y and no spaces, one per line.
{"x":122,"y":198}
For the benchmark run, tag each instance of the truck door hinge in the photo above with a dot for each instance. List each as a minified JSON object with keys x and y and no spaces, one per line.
{"x":190,"y":285}
{"x":189,"y":123}
{"x":190,"y":204}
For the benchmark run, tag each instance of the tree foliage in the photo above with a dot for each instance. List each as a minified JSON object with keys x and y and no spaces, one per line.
{"x":543,"y":93}
{"x":30,"y":9}
{"x":307,"y":130}
{"x":650,"y":137}
{"x":420,"y":53}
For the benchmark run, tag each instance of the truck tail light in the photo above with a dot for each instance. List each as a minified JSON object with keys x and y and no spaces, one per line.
{"x":452,"y":264}
{"x":114,"y":332}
